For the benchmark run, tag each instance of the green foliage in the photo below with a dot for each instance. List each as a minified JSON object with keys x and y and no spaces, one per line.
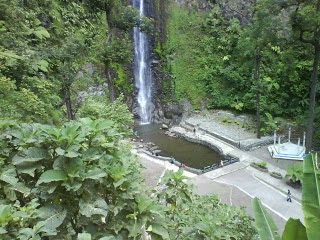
{"x":294,"y":230}
{"x":122,"y":81}
{"x":266,"y":227}
{"x":58,"y":182}
{"x":206,"y":53}
{"x":262,"y":164}
{"x":295,"y":172}
{"x":201,"y":217}
{"x":181,"y":49}
{"x":311,"y":195}
{"x":47,"y":46}
{"x":238,"y":106}
{"x":271,"y":124}
{"x":224,"y":119}
{"x":97,"y":107}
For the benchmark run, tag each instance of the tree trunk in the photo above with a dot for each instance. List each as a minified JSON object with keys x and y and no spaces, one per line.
{"x":258,"y":90}
{"x":68,"y":103}
{"x":112,"y":94}
{"x":313,"y":89}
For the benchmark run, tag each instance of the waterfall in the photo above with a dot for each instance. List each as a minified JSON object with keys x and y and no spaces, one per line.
{"x":142,"y":68}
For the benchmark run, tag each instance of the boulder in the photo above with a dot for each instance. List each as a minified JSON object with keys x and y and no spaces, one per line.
{"x":164,"y":126}
{"x":154,"y":148}
{"x":156,"y":152}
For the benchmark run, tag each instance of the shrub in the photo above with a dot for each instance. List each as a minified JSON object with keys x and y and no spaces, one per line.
{"x":262,"y":164}
{"x":295,"y":173}
{"x":197,"y":217}
{"x":99,"y":107}
{"x":276,"y":175}
{"x":58,"y":182}
{"x":224,"y":119}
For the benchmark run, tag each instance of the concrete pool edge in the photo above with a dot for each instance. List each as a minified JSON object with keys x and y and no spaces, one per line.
{"x":228,"y":161}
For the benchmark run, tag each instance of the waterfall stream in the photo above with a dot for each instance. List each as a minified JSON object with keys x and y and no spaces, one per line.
{"x":142,"y":68}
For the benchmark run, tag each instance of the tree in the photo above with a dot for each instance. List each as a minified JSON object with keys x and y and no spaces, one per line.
{"x":257,"y":38}
{"x":28,"y":91}
{"x":70,"y":57}
{"x":306,"y":24}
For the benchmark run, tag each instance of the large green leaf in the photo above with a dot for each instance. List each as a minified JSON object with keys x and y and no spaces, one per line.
{"x":160,"y":230}
{"x":32,"y":154}
{"x":26,"y":233}
{"x":4,"y":213}
{"x":2,"y":230}
{"x":295,"y":172}
{"x":9,"y":176}
{"x":311,"y":196}
{"x":52,"y":217}
{"x":95,"y":174}
{"x":41,"y":32}
{"x":294,"y":230}
{"x":94,"y":207}
{"x":52,"y":176}
{"x":28,"y":168}
{"x":266,"y":227}
{"x":22,"y":188}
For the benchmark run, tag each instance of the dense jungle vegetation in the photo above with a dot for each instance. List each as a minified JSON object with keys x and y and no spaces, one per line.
{"x":260,"y":62}
{"x":66,"y":170}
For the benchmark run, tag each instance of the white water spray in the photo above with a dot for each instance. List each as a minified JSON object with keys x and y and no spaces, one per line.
{"x":142,"y":68}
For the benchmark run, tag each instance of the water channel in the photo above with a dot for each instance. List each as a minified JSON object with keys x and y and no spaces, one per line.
{"x":192,"y":154}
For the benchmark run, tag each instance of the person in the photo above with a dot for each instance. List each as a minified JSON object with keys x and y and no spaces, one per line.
{"x":221,"y":163}
{"x":194,"y":130}
{"x":289,"y":196}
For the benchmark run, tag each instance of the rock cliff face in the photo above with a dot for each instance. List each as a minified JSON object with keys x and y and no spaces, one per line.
{"x":237,"y":8}
{"x":240,"y":9}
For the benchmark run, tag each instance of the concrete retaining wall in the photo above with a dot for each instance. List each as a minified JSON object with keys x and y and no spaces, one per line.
{"x":228,"y":159}
{"x":246,"y":145}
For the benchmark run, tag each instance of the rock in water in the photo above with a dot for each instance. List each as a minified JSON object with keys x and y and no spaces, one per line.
{"x":164,"y":126}
{"x":156,"y":152}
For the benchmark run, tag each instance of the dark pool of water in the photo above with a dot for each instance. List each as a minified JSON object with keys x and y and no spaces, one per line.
{"x":192,"y":154}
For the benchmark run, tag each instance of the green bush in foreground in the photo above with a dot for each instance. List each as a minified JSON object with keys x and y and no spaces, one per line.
{"x":63,"y":181}
{"x":81,"y":181}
